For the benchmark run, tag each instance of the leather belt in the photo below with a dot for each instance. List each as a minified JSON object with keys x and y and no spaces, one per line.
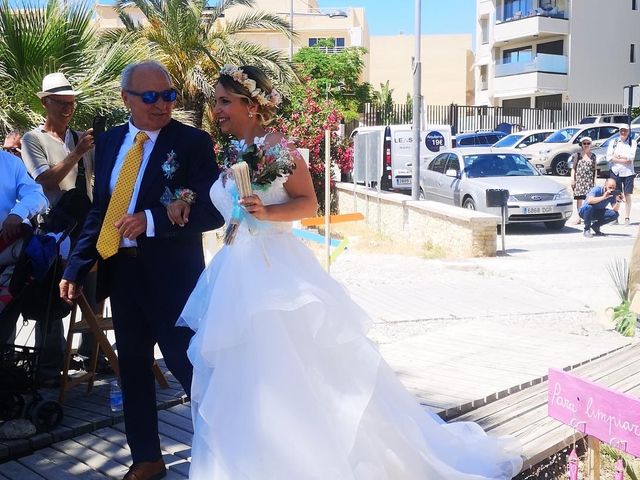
{"x":128,"y":251}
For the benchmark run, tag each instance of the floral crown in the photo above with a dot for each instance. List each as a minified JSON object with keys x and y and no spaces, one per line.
{"x":272,"y":99}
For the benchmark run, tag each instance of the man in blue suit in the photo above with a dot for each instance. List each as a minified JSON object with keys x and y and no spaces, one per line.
{"x":150,"y":269}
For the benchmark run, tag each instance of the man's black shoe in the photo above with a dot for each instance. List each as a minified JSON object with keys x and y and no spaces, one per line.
{"x":599,"y":233}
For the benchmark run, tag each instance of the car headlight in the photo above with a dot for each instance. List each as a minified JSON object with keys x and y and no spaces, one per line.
{"x":562,"y":195}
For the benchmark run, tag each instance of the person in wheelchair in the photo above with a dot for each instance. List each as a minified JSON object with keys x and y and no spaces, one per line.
{"x":21,"y":199}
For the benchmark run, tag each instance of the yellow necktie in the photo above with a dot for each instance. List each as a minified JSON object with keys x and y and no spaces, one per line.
{"x":109,"y":238}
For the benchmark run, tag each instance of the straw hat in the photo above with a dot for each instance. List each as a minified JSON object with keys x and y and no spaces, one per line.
{"x":56,"y":84}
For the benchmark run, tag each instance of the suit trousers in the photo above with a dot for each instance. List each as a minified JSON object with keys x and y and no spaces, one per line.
{"x":142,"y":318}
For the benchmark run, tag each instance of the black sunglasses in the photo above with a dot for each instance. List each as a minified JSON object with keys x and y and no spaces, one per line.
{"x":586,"y":143}
{"x":13,"y":150}
{"x":152,"y":97}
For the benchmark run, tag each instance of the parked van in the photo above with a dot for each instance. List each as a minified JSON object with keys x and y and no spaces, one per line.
{"x":384,"y":154}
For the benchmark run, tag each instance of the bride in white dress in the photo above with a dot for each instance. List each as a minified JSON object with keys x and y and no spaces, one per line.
{"x":286,"y":384}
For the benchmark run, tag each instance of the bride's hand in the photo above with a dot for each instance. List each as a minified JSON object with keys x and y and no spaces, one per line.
{"x":178,"y":212}
{"x":254,"y":206}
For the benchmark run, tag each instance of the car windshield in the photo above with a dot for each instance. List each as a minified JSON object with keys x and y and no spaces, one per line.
{"x":498,"y":165}
{"x":508,"y":141}
{"x":561,"y":136}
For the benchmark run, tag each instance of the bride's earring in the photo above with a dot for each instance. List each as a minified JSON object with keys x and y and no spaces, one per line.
{"x":250,"y":115}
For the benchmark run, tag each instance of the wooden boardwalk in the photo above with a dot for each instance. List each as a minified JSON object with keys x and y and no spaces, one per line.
{"x":524,"y":414}
{"x":476,"y":373}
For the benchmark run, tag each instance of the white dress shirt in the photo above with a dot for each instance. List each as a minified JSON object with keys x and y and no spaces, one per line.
{"x":622,"y":149}
{"x":127,"y":143}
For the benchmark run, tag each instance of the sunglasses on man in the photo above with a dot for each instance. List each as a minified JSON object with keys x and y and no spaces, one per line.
{"x":12,"y":150}
{"x":152,"y":97}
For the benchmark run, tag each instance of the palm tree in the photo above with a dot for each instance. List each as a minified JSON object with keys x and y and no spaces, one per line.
{"x":37,"y":40}
{"x":188,"y":37}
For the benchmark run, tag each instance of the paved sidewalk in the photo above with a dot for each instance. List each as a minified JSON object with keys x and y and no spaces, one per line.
{"x":460,"y":330}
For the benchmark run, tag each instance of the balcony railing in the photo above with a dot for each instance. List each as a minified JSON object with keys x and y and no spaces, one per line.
{"x":536,"y":12}
{"x":542,"y":62}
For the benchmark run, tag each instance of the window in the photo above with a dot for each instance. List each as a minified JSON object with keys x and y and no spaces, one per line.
{"x":439,"y":163}
{"x":338,"y":43}
{"x":454,"y":163}
{"x":634,"y":4}
{"x":484,"y":30}
{"x":632,"y":53}
{"x":484,"y":83}
{"x":517,"y":8}
{"x":524,"y":54}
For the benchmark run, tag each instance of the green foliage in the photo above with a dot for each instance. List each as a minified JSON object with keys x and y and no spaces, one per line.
{"x":635,"y":112}
{"x":335,"y":75}
{"x":624,"y":318}
{"x":38,"y":40}
{"x":187,"y":38}
{"x":614,"y":455}
{"x":306,"y":124}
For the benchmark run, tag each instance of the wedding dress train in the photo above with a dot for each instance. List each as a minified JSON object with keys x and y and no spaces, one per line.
{"x":287,"y":386}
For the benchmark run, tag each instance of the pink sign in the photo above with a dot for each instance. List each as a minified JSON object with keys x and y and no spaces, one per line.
{"x":610,"y":416}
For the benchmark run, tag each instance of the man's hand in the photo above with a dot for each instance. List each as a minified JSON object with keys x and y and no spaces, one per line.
{"x":130,"y":226}
{"x":85,"y":143}
{"x":69,"y":291}
{"x":178,"y":212}
{"x":11,"y":227}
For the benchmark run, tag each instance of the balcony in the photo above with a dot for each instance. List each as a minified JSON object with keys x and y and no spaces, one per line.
{"x":542,"y":63}
{"x":533,"y":25}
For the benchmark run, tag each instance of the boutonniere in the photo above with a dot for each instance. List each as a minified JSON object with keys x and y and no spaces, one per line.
{"x":184,"y":194}
{"x":170,"y":165}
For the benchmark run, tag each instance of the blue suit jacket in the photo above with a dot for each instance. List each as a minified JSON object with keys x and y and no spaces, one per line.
{"x":173,"y":258}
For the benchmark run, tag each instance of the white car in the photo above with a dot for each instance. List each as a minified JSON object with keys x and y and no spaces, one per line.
{"x":522,"y":139}
{"x":462,"y":177}
{"x":553,"y":154}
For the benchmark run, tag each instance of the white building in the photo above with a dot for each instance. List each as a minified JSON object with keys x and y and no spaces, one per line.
{"x":535,"y":52}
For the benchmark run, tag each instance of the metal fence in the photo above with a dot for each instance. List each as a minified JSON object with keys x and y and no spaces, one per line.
{"x":471,"y":118}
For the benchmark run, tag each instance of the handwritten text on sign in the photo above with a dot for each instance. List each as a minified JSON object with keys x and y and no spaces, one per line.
{"x":610,"y":416}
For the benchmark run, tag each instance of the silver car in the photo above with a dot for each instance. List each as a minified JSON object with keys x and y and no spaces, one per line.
{"x":462,"y":177}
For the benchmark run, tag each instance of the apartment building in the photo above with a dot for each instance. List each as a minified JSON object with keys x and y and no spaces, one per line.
{"x":447,"y":60}
{"x":447,"y":67}
{"x":531,"y":53}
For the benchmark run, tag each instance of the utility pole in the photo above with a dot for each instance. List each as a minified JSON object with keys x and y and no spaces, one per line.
{"x":415,"y":180}
{"x":291,"y":31}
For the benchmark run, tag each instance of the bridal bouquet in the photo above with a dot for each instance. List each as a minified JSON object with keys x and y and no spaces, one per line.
{"x":253,"y":166}
{"x":265,"y":164}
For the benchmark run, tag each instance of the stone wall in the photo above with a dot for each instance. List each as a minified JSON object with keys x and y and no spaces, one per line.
{"x":458,"y":231}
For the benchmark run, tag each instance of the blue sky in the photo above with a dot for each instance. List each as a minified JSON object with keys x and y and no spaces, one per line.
{"x":390,"y":17}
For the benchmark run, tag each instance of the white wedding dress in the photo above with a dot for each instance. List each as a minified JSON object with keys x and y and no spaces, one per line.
{"x":287,"y":386}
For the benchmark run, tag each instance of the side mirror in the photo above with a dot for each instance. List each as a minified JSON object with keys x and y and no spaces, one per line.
{"x":451,"y":173}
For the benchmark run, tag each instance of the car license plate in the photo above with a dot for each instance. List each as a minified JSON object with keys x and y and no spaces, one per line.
{"x":404,"y":181}
{"x":533,"y":210}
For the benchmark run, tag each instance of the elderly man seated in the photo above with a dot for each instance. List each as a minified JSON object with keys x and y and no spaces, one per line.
{"x":20,"y":199}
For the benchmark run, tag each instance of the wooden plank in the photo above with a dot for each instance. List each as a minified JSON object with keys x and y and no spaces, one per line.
{"x":319,"y":221}
{"x":62,"y":468}
{"x":16,"y":471}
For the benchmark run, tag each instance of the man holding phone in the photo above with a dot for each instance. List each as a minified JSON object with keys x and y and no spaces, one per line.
{"x":59,"y":159}
{"x":594,"y":210}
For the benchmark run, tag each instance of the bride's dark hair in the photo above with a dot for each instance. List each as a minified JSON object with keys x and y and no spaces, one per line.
{"x":265,"y":112}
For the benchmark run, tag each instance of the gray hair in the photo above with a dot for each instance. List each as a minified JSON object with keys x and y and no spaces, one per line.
{"x":127,"y":73}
